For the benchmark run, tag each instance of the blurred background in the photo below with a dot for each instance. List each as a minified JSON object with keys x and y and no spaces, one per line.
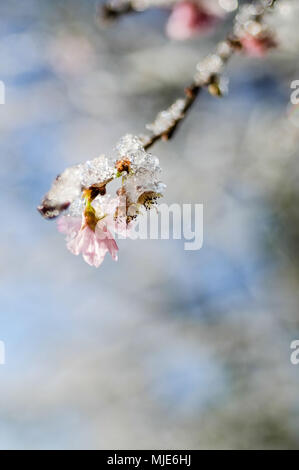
{"x":166,"y":349}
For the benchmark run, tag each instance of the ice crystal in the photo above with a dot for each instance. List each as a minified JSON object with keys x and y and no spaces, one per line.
{"x":76,"y":207}
{"x":144,"y":176}
{"x":211,"y":65}
{"x":68,"y":186}
{"x":224,"y":50}
{"x":96,"y":171}
{"x":248,"y":19}
{"x":166,"y":119}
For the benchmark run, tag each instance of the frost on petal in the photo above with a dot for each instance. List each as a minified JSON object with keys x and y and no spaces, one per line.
{"x":97,"y":172}
{"x":144,"y":176}
{"x":105,"y":205}
{"x":112,"y":214}
{"x":64,"y":190}
{"x":69,"y":185}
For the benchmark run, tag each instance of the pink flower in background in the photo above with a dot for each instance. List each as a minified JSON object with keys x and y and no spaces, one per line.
{"x":189,"y":18}
{"x":257,"y":46}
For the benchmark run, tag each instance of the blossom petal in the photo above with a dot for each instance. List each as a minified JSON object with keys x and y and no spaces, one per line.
{"x":68,"y":225}
{"x":112,"y":247}
{"x":106,"y":240}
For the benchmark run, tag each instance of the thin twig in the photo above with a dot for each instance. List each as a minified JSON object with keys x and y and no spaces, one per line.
{"x":191,"y":94}
{"x":112,"y":10}
{"x":192,"y":91}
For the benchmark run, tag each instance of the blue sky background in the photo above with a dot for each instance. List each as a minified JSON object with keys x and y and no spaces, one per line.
{"x":166,"y":348}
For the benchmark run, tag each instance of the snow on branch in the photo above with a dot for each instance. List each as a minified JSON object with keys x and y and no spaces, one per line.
{"x":250,"y":35}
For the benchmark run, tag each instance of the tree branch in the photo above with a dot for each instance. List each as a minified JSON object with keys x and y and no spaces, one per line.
{"x":207,"y":76}
{"x":113,"y":9}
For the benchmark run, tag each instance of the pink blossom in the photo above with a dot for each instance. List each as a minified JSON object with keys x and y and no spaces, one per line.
{"x":91,"y":235}
{"x":93,"y":244}
{"x":257,"y":46}
{"x":189,"y":18}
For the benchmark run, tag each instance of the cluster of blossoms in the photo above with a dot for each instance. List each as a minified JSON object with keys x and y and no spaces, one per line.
{"x":92,"y":218}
